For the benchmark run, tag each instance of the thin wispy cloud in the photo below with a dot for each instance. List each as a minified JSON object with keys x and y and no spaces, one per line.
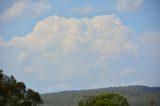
{"x":21,"y":7}
{"x":88,"y":9}
{"x":127,"y":5}
{"x":83,"y":10}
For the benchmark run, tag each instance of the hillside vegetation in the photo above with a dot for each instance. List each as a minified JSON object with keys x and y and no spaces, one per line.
{"x":136,"y":96}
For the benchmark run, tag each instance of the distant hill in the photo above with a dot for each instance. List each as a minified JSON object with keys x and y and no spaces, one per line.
{"x":136,"y":95}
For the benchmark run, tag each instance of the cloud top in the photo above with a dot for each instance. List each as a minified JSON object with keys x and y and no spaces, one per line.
{"x":105,"y":34}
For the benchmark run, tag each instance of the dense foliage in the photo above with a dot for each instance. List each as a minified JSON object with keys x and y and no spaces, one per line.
{"x":13,"y":93}
{"x":105,"y":99}
{"x":135,"y":95}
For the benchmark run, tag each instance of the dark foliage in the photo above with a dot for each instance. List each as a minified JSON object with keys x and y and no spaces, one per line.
{"x":104,"y":99}
{"x":13,"y":93}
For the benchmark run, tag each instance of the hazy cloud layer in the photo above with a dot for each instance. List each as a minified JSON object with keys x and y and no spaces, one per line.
{"x":150,"y":42}
{"x":62,"y":50}
{"x":149,"y":56}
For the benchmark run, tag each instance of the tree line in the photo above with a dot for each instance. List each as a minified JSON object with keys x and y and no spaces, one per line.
{"x":104,"y":99}
{"x":14,"y":93}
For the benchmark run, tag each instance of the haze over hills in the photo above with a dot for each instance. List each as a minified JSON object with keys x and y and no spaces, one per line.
{"x":136,"y":96}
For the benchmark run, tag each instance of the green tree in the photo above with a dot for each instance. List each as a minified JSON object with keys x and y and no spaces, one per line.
{"x":33,"y":97}
{"x":13,"y":93}
{"x":105,"y":99}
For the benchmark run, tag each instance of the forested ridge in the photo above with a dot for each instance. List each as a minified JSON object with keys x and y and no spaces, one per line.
{"x":136,"y":96}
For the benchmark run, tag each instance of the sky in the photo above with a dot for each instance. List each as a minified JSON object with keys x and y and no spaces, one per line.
{"x":57,"y":45}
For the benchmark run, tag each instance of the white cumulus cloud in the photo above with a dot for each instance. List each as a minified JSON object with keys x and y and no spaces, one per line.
{"x":61,"y":49}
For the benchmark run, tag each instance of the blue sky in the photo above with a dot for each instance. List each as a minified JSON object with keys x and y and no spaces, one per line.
{"x":54,"y":45}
